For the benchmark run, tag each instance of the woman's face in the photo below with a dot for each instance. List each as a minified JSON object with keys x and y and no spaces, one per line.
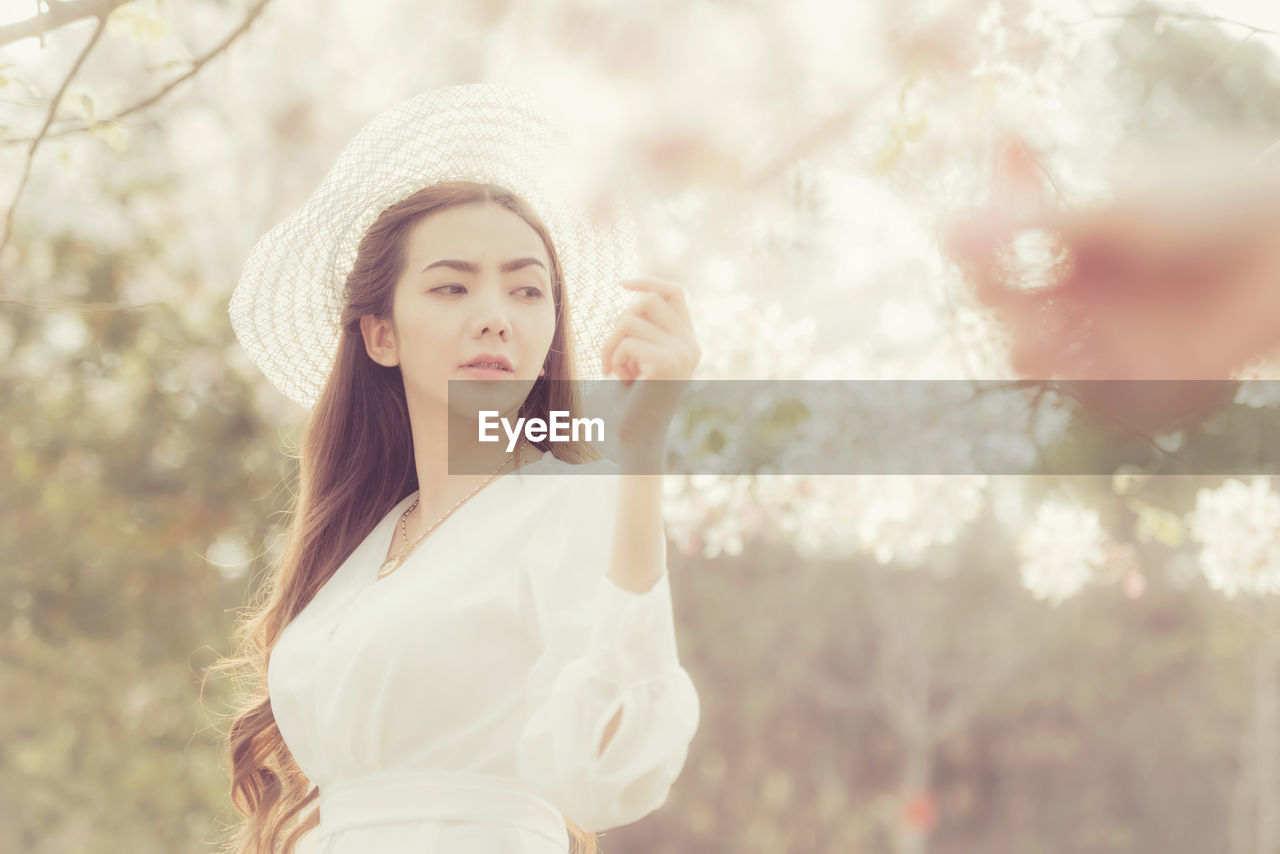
{"x":477,"y":282}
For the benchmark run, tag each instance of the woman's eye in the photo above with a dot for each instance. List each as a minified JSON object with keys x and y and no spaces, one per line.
{"x":529,"y":292}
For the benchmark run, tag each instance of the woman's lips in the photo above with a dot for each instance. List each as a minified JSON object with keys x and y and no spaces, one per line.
{"x":486,"y":373}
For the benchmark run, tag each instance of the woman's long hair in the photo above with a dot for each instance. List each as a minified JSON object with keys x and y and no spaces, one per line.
{"x":356,"y":463}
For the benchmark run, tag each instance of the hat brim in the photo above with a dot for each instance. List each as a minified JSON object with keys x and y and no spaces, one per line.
{"x":287,"y":304}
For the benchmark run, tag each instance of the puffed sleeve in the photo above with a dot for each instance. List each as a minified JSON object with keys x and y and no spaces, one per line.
{"x":603,"y":648}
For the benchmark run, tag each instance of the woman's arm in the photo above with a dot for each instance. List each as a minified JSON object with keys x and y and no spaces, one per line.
{"x":610,"y":710}
{"x":654,"y":339}
{"x":639,"y":547}
{"x":639,"y":542}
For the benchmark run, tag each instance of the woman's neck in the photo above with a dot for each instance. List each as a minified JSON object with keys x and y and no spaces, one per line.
{"x":470,"y":461}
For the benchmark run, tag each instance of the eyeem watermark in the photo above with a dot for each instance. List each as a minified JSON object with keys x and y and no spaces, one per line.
{"x":538,"y":430}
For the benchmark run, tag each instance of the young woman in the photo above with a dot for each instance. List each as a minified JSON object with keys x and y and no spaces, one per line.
{"x":448,"y":662}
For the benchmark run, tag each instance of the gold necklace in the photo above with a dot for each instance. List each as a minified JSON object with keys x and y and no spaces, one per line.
{"x":394,"y":563}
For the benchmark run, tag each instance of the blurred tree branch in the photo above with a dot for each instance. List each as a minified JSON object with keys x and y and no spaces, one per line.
{"x":196,"y":64}
{"x":53,"y":111}
{"x":1160,"y":16}
{"x":57,"y":14}
{"x":56,"y":305}
{"x":102,"y":9}
{"x":806,"y":144}
{"x":1167,"y":15}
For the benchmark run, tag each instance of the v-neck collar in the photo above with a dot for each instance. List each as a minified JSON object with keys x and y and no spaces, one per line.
{"x":392,"y":520}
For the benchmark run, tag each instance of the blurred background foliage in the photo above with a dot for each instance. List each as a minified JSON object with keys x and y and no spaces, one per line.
{"x":848,"y":704}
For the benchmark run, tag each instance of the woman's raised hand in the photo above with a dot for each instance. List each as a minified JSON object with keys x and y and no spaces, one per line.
{"x":653,"y":340}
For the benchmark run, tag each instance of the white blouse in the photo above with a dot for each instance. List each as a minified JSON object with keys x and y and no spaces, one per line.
{"x":460,"y":702}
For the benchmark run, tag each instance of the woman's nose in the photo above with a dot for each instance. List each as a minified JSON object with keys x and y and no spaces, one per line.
{"x":490,"y":318}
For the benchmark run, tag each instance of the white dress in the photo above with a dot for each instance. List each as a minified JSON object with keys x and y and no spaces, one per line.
{"x":459,"y":703}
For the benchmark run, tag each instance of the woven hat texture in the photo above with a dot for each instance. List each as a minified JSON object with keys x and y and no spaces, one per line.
{"x":286,"y":306}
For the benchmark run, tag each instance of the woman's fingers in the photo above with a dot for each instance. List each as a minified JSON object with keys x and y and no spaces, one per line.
{"x":660,"y":317}
{"x":631,"y":326}
{"x":670,"y":292}
{"x":654,"y":308}
{"x":636,"y":358}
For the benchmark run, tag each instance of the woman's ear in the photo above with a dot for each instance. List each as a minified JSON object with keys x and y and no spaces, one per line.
{"x":379,"y":340}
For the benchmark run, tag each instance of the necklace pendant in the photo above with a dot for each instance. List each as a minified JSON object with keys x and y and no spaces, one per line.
{"x":390,"y":566}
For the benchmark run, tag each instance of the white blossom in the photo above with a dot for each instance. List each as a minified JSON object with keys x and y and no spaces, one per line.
{"x":711,"y":515}
{"x":1259,"y":382}
{"x":894,"y":518}
{"x":1061,"y":550}
{"x":1237,"y":525}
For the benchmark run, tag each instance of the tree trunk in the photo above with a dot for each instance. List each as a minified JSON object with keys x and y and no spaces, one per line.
{"x":1240,"y":832}
{"x":1265,"y":737}
{"x":917,"y":777}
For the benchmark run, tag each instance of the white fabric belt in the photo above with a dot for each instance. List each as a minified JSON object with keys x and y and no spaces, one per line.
{"x":397,"y":796}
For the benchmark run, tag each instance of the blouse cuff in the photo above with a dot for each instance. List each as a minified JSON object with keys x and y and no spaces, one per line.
{"x":633,"y":636}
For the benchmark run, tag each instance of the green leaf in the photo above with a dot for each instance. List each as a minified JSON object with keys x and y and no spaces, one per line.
{"x":113,"y":134}
{"x":1160,"y":525}
{"x":889,"y":155}
{"x":81,"y":102}
{"x":1128,"y":479}
{"x":139,"y":21}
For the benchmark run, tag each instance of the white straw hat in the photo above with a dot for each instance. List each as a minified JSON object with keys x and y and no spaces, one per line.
{"x":286,"y":307}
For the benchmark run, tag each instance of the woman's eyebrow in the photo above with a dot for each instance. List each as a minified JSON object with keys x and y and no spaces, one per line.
{"x":469,"y":267}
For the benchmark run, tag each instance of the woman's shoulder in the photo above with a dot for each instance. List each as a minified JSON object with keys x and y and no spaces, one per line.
{"x":589,"y":468}
{"x":593,"y":468}
{"x":593,"y":481}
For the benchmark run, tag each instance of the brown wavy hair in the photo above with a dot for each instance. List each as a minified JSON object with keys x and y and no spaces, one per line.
{"x":356,"y":462}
